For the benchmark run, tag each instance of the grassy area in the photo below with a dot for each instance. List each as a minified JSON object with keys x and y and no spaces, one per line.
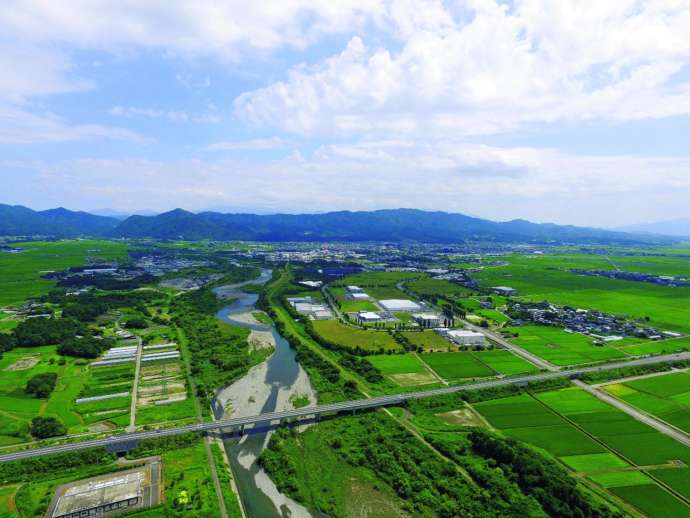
{"x":404,"y":369}
{"x":428,"y":340}
{"x":437,"y":288}
{"x":18,"y":408}
{"x":457,"y":366}
{"x":20,"y":274}
{"x":352,"y":338}
{"x":504,"y":362}
{"x":597,"y":441}
{"x":561,"y":348}
{"x":666,"y":396}
{"x":549,"y":277}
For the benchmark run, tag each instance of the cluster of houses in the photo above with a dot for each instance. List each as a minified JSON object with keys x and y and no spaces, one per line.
{"x":311,"y":307}
{"x":663,"y":280}
{"x":600,"y":326}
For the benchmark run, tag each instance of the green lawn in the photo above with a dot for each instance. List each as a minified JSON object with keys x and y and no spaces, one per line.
{"x":353,"y":338}
{"x":456,"y":366}
{"x":504,"y":362}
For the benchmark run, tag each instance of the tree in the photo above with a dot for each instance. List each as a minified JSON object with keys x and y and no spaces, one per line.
{"x":41,"y":385}
{"x":44,"y":427}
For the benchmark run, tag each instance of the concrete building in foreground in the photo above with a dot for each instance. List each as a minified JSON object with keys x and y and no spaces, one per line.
{"x":106,"y":495}
{"x":465,"y":338}
{"x":399,"y":305}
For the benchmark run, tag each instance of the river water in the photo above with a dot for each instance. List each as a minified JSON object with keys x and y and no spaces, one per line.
{"x":267,"y":387}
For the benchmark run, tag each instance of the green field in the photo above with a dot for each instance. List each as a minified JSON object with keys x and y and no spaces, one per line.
{"x":404,"y":369}
{"x":596,"y":440}
{"x":428,"y":340}
{"x":352,"y":338}
{"x":437,"y":288}
{"x":561,"y":348}
{"x":666,"y":396}
{"x":504,"y":362}
{"x":549,"y":277}
{"x":456,"y":366}
{"x":20,"y":275}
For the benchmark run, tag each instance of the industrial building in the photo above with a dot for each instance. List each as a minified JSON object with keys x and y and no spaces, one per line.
{"x":399,"y":305}
{"x":368,"y":316}
{"x":427,"y":319}
{"x":106,"y":495}
{"x":466,"y":338}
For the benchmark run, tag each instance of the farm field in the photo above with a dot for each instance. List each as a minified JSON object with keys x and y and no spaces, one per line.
{"x":437,"y":288}
{"x":353,"y":338}
{"x":504,"y":362}
{"x":429,"y":340}
{"x":456,"y":366}
{"x":598,"y":441}
{"x":666,"y":397}
{"x":20,"y":276}
{"x":549,"y":277}
{"x":403,"y":369}
{"x":561,"y":348}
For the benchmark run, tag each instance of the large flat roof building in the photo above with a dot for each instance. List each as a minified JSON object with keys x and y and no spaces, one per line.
{"x":368,"y":316}
{"x":466,"y":338}
{"x":399,"y":305}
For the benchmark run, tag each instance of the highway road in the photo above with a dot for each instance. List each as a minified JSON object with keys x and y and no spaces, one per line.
{"x":345,"y":406}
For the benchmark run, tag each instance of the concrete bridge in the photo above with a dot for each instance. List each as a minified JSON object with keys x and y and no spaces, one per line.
{"x":124,"y":442}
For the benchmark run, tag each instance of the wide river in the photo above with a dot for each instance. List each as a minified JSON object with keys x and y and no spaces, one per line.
{"x":267,"y":387}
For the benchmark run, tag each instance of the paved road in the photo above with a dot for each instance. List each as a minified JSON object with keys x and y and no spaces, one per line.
{"x":636,"y":414}
{"x":532,"y":358}
{"x":268,"y":418}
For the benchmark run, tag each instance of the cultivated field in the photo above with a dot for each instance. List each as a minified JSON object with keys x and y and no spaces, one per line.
{"x":561,"y":348}
{"x":352,"y":338}
{"x":666,"y":396}
{"x":549,"y":277}
{"x":20,"y":274}
{"x":613,"y":450}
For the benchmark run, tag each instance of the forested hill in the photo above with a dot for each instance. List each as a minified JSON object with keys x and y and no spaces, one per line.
{"x":393,"y":225}
{"x":16,"y":220}
{"x":381,"y":225}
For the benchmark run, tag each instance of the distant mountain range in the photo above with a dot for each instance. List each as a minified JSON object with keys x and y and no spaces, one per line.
{"x":394,"y":225}
{"x":676,"y":227}
{"x":21,"y":221}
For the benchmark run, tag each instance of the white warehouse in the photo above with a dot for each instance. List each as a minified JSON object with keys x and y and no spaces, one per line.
{"x":465,"y":338}
{"x":399,"y":305}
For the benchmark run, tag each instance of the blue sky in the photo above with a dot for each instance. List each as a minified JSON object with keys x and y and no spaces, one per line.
{"x":572,"y":112}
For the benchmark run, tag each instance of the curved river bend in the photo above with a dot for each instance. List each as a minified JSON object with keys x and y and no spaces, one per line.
{"x":267,"y":387}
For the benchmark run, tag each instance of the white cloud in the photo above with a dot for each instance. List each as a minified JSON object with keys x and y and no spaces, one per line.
{"x":247,"y":145}
{"x":172,"y":115}
{"x":493,"y":71}
{"x":19,"y":126}
{"x":500,"y":183}
{"x":228,"y":29}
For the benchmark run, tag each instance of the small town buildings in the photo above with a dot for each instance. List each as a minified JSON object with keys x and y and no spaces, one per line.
{"x":399,"y":305}
{"x":427,"y":319}
{"x":466,"y":338}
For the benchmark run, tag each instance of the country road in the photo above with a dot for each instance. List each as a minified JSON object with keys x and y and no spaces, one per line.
{"x":360,"y":404}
